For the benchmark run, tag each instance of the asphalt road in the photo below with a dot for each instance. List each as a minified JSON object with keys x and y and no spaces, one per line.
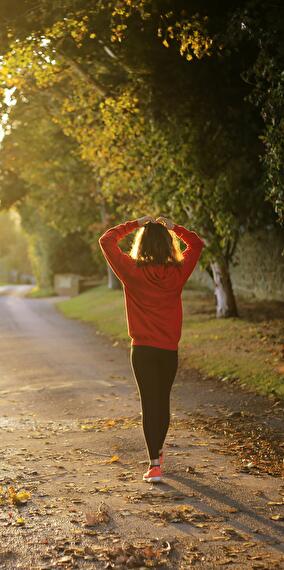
{"x":71,"y":436}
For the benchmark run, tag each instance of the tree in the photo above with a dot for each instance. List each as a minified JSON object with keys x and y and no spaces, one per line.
{"x":55,"y":194}
{"x":259,"y":26}
{"x":13,"y":246}
{"x":141,"y":114}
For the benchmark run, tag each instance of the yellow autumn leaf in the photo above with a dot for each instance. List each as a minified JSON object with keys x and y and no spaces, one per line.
{"x":278,"y":517}
{"x":20,"y":521}
{"x":18,"y":498}
{"x":23,"y":496}
{"x":166,"y":43}
{"x":113,"y":459}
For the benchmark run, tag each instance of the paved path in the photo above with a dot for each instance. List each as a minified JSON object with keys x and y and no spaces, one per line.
{"x":71,"y":436}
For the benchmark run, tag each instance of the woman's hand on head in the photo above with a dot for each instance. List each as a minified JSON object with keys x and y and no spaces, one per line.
{"x":142,"y":221}
{"x":166,"y":222}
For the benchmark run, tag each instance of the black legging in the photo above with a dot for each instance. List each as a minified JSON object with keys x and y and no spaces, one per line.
{"x":154,"y":371}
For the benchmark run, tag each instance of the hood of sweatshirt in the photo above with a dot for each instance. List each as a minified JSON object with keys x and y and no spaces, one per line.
{"x":161,"y":276}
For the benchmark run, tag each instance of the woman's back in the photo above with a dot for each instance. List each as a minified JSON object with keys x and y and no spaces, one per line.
{"x":152,"y":291}
{"x":153,"y":306}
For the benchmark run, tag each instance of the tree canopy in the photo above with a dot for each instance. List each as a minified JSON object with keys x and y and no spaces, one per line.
{"x":123,"y":107}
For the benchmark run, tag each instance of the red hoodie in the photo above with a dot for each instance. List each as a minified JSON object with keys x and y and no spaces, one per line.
{"x":152,"y":293}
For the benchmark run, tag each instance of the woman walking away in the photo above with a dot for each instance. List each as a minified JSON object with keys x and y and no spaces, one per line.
{"x":153,"y":275}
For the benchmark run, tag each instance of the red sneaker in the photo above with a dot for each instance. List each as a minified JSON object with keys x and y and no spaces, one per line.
{"x":153,"y":475}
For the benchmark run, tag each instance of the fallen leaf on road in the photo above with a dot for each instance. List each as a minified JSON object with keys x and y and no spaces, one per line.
{"x":190,"y":469}
{"x":126,"y":476}
{"x":232,"y":533}
{"x":18,"y":498}
{"x":100,"y":516}
{"x":20,"y":521}
{"x":113,"y":459}
{"x":277,"y":517}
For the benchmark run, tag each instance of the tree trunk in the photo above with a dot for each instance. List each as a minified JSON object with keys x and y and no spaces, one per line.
{"x":225,"y":299}
{"x":113,"y":281}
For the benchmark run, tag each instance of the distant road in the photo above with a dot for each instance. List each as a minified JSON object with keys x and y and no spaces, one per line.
{"x":18,"y":290}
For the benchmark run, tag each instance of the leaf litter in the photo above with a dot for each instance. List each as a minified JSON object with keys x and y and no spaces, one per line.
{"x":123,"y":556}
{"x":184,"y":514}
{"x":256,"y":446}
{"x":138,"y":554}
{"x":102,"y":424}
